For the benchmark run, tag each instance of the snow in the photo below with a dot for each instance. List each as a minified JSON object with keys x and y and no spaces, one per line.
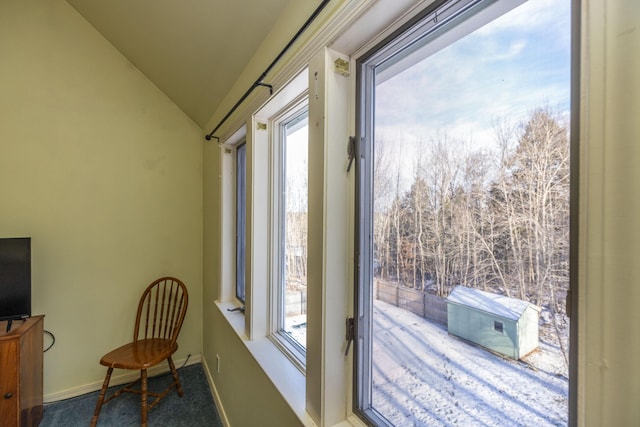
{"x":509,"y":308}
{"x":296,"y":328}
{"x":422,"y":376}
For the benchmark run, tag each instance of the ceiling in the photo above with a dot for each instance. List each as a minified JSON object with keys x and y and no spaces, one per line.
{"x":193,"y":50}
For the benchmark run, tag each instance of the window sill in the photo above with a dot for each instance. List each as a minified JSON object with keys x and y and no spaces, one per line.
{"x":351,"y":421}
{"x":284,"y":375}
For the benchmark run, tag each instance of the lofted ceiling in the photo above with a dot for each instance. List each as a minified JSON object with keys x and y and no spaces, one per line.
{"x":193,"y":50}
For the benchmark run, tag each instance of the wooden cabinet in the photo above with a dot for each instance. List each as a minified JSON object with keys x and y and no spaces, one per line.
{"x":21,"y":373}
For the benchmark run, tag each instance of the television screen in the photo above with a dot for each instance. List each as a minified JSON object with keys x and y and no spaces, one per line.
{"x":15,"y":278}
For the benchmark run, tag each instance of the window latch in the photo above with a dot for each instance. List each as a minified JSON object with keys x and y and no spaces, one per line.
{"x":350,"y":335}
{"x":351,"y":151}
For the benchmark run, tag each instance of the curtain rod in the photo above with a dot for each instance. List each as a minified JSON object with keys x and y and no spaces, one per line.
{"x":259,"y":81}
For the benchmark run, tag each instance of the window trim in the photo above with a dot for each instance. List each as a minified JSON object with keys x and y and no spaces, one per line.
{"x":352,"y":29}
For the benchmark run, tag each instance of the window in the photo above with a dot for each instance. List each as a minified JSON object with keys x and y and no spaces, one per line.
{"x":241,"y":215}
{"x":464,"y":181}
{"x":289,"y":289}
{"x":277,"y":176}
{"x":293,"y":220}
{"x":233,"y":196}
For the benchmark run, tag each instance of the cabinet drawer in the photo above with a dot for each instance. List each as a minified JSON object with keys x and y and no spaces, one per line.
{"x":9,"y":396}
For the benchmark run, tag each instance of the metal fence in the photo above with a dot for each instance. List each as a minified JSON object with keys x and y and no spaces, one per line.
{"x":295,"y":303}
{"x":431,"y":307}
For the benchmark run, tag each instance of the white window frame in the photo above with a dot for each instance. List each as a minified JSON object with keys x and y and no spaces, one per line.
{"x":373,"y":55}
{"x":277,"y":123}
{"x":240,"y":226}
{"x":228,"y":218}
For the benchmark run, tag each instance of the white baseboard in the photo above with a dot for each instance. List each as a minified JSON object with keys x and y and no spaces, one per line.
{"x":124,"y":378}
{"x":214,"y":391}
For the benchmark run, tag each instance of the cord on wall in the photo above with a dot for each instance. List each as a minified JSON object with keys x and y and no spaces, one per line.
{"x":53,"y":341}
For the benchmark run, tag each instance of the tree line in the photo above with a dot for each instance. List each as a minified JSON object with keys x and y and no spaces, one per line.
{"x":495,"y":218}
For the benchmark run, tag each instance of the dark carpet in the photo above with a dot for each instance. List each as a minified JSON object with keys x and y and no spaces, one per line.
{"x":195,"y":409}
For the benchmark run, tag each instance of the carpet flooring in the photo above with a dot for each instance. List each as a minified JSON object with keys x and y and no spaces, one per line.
{"x":195,"y":409}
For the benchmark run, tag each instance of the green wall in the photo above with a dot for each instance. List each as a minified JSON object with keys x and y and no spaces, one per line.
{"x":478,"y":327}
{"x":104,"y":173}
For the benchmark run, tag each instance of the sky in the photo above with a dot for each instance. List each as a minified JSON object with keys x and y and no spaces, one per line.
{"x":509,"y":67}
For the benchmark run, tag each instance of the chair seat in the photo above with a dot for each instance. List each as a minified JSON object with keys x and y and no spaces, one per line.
{"x":140,"y":354}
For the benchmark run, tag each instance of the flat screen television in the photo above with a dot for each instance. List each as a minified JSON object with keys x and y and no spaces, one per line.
{"x":15,"y":278}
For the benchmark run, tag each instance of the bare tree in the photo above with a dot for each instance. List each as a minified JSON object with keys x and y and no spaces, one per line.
{"x":534,"y":196}
{"x":494,"y":219}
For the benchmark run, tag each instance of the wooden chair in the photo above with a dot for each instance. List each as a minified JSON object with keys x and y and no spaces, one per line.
{"x":161,"y":312}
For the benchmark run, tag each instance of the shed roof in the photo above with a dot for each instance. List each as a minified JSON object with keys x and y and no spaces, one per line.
{"x":500,"y":305}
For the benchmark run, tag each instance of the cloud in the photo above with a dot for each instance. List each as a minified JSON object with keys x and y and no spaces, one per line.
{"x":516,"y":47}
{"x":505,"y":69}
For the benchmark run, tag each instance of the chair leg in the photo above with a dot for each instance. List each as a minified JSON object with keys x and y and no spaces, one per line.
{"x":103,"y":392}
{"x":143,"y":396}
{"x":176,"y":380}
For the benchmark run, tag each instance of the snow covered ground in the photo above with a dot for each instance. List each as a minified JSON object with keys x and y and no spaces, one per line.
{"x":422,"y":376}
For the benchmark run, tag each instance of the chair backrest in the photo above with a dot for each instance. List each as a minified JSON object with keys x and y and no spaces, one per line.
{"x":161,"y":310}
